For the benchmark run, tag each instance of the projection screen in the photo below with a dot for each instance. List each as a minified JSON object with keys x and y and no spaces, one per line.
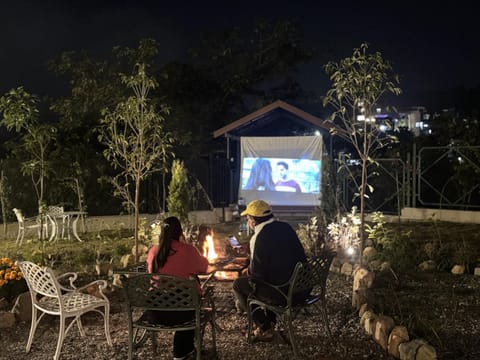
{"x":285,"y":171}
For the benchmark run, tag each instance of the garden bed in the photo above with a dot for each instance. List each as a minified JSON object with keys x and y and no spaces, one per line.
{"x":440,"y":307}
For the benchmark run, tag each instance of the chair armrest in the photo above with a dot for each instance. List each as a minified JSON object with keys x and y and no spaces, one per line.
{"x":95,"y":288}
{"x":207,"y":298}
{"x":71,"y":277}
{"x":276,"y":288}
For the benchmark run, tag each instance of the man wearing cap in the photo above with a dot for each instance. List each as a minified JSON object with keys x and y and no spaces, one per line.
{"x":274,"y":251}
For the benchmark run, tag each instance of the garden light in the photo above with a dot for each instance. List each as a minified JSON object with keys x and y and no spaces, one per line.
{"x":350,"y":250}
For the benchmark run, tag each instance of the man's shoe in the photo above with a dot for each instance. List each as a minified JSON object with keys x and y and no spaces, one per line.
{"x":263,"y":336}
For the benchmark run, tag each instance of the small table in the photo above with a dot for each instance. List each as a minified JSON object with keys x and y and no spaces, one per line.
{"x":73,"y":224}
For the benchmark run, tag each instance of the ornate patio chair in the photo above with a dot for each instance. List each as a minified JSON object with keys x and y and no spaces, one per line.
{"x":307,"y":276}
{"x":31,"y":223}
{"x":66,"y":301}
{"x":57,"y":214}
{"x":166,"y":293}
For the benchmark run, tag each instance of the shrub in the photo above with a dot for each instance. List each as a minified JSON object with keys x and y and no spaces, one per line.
{"x":12,"y":282}
{"x":392,"y":244}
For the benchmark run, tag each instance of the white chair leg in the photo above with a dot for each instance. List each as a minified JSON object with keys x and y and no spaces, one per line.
{"x":78,"y":320}
{"x":106,"y":320}
{"x":61,"y":335}
{"x":54,"y":233}
{"x":21,"y":234}
{"x":33,"y":327}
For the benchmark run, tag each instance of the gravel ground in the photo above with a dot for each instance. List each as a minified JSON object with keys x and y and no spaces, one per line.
{"x":452,"y":301}
{"x":350,"y":341}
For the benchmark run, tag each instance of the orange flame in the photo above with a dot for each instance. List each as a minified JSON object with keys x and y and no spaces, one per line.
{"x":209,"y":248}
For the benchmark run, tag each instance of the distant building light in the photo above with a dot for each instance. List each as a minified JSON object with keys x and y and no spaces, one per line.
{"x":317,"y":133}
{"x":379,"y":110}
{"x":361,"y":117}
{"x":383,"y":127}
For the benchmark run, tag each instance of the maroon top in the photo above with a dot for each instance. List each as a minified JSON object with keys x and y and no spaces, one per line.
{"x":184,"y":260}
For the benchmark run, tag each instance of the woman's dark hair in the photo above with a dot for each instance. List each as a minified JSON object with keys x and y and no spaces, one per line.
{"x":260,"y":176}
{"x":171,"y":230}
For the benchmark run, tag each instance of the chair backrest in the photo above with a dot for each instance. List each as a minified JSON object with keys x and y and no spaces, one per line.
{"x":19,"y":215}
{"x":311,"y":274}
{"x":161,"y":292}
{"x":320,"y":267}
{"x":55,"y":210}
{"x":40,"y":280}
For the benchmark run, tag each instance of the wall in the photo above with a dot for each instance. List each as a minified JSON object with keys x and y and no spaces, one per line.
{"x":458,"y":216}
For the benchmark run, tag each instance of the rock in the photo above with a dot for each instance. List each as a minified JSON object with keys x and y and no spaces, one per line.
{"x":104,"y":269}
{"x":385,"y":266}
{"x":458,"y":270}
{"x":408,"y":350}
{"x":3,"y":304}
{"x":366,"y":315}
{"x":142,"y":249}
{"x":426,"y":352}
{"x":375,"y":265}
{"x":7,"y":319}
{"x":428,"y":265}
{"x":368,"y":321}
{"x":383,"y":327}
{"x":127,"y":260}
{"x":143,"y":258}
{"x":117,"y":280}
{"x":360,"y":297}
{"x":368,"y":254}
{"x":94,"y":290}
{"x":346,"y":269}
{"x":370,"y":325}
{"x":23,"y":307}
{"x":336,"y":265}
{"x":363,"y":279}
{"x":398,"y":335}
{"x":363,"y":308}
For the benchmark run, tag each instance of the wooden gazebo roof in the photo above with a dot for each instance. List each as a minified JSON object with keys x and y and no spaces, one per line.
{"x":264,"y":112}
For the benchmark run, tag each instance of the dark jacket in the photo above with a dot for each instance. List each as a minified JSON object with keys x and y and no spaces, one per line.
{"x":277,"y":251}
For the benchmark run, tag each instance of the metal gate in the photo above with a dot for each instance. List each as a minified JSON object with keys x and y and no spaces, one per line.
{"x":444,"y":177}
{"x":391,"y":188}
{"x":448,"y":177}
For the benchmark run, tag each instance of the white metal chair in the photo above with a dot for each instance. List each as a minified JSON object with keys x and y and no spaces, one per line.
{"x":50,"y":297}
{"x":57,"y":213}
{"x":32,"y":223}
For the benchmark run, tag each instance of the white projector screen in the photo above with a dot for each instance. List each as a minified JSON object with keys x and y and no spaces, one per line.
{"x":284,"y":171}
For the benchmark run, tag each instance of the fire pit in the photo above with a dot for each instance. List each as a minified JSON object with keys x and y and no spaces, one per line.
{"x":229,"y":268}
{"x":226,"y":266}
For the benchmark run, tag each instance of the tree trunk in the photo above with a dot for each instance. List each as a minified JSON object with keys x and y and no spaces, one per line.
{"x":2,"y":199}
{"x":362,"y":209}
{"x":137,"y":222}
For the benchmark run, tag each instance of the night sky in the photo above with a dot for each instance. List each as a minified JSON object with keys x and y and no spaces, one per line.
{"x":432,"y":49}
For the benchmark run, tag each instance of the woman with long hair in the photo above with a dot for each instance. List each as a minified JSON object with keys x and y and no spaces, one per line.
{"x":172,"y":256}
{"x":260,"y":176}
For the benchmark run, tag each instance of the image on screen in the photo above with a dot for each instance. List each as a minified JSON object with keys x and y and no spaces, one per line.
{"x":284,"y":171}
{"x":280,"y":174}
